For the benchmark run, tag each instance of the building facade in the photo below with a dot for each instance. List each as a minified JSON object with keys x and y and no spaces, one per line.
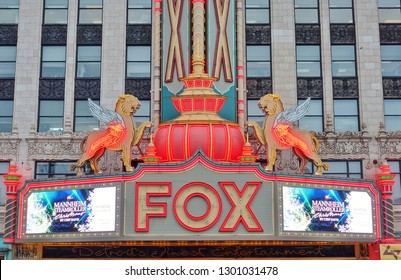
{"x":345,"y":55}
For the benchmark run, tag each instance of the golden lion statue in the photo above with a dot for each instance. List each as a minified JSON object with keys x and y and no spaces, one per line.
{"x":120,"y":135}
{"x":278,"y":134}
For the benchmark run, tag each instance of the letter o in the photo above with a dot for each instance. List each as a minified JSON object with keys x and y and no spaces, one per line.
{"x":197,"y":223}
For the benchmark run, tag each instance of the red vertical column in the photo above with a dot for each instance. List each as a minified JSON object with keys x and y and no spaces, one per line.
{"x":12,"y":183}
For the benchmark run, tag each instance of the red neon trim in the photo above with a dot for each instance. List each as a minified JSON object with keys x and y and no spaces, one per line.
{"x":212,"y":223}
{"x":240,"y":68}
{"x":240,"y":111}
{"x":192,"y":217}
{"x":148,"y":203}
{"x":240,"y":101}
{"x":157,"y":9}
{"x":240,"y":77}
{"x":223,"y":227}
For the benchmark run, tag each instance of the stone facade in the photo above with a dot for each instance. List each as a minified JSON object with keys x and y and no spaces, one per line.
{"x":372,"y":144}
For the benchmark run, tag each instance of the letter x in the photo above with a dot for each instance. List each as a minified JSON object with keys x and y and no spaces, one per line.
{"x":175,"y":58}
{"x":222,"y":53}
{"x":241,"y":206}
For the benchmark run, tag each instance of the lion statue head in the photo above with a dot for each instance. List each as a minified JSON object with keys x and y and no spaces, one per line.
{"x":269,"y":103}
{"x":128,"y":104}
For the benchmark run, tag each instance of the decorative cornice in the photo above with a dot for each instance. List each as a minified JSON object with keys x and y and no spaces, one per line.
{"x":8,"y":34}
{"x":51,"y":89}
{"x":258,"y":87}
{"x":7,"y":89}
{"x":307,"y":34}
{"x":342,"y":33}
{"x":87,"y":88}
{"x":139,"y":34}
{"x":389,"y":143}
{"x":54,"y":34}
{"x":258,"y":34}
{"x":310,"y":87}
{"x":139,"y":87}
{"x":90,"y":34}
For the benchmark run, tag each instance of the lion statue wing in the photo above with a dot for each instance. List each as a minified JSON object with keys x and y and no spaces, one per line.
{"x":291,"y":115}
{"x":104,"y":115}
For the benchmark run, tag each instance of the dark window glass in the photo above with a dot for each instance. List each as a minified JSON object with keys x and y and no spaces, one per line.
{"x":308,"y":61}
{"x":139,"y":12}
{"x":257,"y":12}
{"x":3,"y":170}
{"x":138,"y":61}
{"x":7,"y":61}
{"x":84,"y":121}
{"x":6,"y":115}
{"x":57,"y":169}
{"x":88,"y":61}
{"x":349,"y":169}
{"x":396,"y":169}
{"x":313,"y":120}
{"x":90,"y":11}
{"x":56,"y":12}
{"x":392,"y":114}
{"x":143,"y":114}
{"x":258,"y":61}
{"x":9,"y":11}
{"x":343,"y":61}
{"x":346,"y":116}
{"x":51,"y":114}
{"x":254,"y":113}
{"x":391,"y":60}
{"x":53,"y":62}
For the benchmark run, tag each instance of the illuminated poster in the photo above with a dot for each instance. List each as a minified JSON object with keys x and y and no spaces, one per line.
{"x":318,"y":210}
{"x":77,"y":210}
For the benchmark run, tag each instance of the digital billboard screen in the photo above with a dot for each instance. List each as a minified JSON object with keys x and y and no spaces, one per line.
{"x":71,"y":211}
{"x":326,"y":210}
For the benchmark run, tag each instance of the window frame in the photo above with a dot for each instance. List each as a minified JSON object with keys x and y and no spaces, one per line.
{"x":45,"y":10}
{"x":80,"y":62}
{"x":390,"y":115}
{"x":306,"y":8}
{"x":384,"y":61}
{"x":299,"y":61}
{"x":51,"y":165}
{"x":10,"y":61}
{"x":2,"y":186}
{"x":311,"y":169}
{"x":5,"y":116}
{"x":353,"y":61}
{"x":42,"y":61}
{"x":8,"y":9}
{"x":381,"y":9}
{"x":310,"y":116}
{"x":267,"y":60}
{"x":144,"y":61}
{"x":263,"y":9}
{"x":40,"y":116}
{"x":341,"y":9}
{"x":397,"y":178}
{"x":347,"y":116}
{"x":147,"y":10}
{"x":258,"y":117}
{"x":89,"y":115}
{"x":86,"y":9}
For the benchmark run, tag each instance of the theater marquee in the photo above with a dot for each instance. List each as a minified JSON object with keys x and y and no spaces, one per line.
{"x":198,"y":200}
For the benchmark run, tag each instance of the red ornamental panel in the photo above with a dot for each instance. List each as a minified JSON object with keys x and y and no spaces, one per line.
{"x":178,"y":142}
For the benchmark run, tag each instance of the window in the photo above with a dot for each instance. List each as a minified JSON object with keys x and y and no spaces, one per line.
{"x":56,"y":12}
{"x":143,"y":114}
{"x":389,"y":11}
{"x":396,"y":169}
{"x":7,"y":61}
{"x":51,"y":115}
{"x":308,"y":61}
{"x":57,"y":169}
{"x":313,"y":120}
{"x":350,"y":169}
{"x":392,"y":114}
{"x":9,"y":11}
{"x":88,"y":61}
{"x":53,"y":62}
{"x":90,"y":11}
{"x":391,"y":60}
{"x":6,"y":115}
{"x":258,"y":61}
{"x":306,"y":11}
{"x":139,"y":12}
{"x":138,"y":61}
{"x":341,"y":11}
{"x":257,"y":11}
{"x":346,"y":117}
{"x":254,"y":112}
{"x":343,"y":61}
{"x":84,"y":121}
{"x":3,"y":170}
